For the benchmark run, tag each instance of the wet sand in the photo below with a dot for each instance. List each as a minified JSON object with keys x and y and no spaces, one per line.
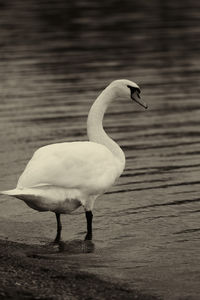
{"x":28,"y":272}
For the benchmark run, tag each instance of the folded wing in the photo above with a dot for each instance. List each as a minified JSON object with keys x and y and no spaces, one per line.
{"x":88,"y":166}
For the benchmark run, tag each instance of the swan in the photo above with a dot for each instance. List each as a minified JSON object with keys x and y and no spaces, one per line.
{"x":64,"y":176}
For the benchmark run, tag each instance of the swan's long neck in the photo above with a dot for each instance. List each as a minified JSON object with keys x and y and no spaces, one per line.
{"x":95,"y":129}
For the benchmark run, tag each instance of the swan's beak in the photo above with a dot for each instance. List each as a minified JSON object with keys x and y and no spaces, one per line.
{"x":136,"y":97}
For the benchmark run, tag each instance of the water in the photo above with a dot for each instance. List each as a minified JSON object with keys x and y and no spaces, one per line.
{"x":56,"y":57}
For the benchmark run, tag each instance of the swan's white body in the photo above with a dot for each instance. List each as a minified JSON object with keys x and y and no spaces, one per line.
{"x":61,"y":177}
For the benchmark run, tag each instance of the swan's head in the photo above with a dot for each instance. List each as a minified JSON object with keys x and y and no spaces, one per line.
{"x":128,"y":89}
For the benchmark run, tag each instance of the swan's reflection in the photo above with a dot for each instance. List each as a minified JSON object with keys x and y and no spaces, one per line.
{"x":76,"y":246}
{"x":61,"y":250}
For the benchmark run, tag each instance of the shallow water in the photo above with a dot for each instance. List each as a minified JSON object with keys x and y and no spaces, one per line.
{"x":55,"y":60}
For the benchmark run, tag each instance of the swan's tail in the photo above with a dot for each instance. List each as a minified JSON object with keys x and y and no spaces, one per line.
{"x":29,"y":193}
{"x":13,"y":192}
{"x":22,"y":194}
{"x":33,"y":197}
{"x":34,"y":190}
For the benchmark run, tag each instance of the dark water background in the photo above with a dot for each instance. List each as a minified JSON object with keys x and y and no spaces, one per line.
{"x":56,"y":56}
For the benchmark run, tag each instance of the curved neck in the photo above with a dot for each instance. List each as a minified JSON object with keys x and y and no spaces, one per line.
{"x":95,"y":129}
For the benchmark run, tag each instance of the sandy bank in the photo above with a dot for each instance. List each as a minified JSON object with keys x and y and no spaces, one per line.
{"x":26,"y":275}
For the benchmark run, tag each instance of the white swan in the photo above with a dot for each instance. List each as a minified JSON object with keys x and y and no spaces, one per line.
{"x":63,"y":176}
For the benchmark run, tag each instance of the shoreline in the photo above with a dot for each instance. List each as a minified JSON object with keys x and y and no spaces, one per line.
{"x":27,"y":275}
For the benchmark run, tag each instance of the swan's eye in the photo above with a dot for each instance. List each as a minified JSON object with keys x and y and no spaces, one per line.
{"x":133,"y":89}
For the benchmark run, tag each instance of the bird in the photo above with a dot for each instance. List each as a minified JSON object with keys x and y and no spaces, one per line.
{"x":61,"y":177}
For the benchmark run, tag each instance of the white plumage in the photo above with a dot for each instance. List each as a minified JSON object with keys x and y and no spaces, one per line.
{"x":63,"y":176}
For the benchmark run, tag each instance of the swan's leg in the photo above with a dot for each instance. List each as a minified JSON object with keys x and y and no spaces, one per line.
{"x":89,"y":217}
{"x":59,"y":228}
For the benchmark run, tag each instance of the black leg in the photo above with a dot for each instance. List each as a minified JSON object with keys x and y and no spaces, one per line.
{"x":89,"y":217}
{"x":59,"y":228}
